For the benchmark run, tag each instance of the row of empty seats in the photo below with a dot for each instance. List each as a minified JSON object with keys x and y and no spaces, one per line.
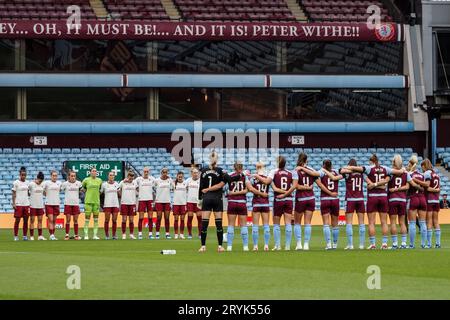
{"x":443,"y":154}
{"x":36,"y":159}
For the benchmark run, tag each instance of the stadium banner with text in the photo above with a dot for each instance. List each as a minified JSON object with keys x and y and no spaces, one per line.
{"x":83,"y":168}
{"x":193,"y":31}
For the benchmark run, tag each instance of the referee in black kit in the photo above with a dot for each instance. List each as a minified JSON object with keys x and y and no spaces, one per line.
{"x":212,"y":181}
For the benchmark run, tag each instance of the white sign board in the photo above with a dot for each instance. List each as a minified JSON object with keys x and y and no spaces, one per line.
{"x":297,"y":140}
{"x":40,"y":140}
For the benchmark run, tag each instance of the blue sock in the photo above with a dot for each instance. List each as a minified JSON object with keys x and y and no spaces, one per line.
{"x":404,"y":238}
{"x":372,"y":240}
{"x":277,"y":234}
{"x":412,"y":233}
{"x":266,"y":234}
{"x":288,"y":234}
{"x":349,"y":232}
{"x":423,"y":232}
{"x":335,"y":235}
{"x":255,"y":234}
{"x":244,"y":236}
{"x":429,"y":236}
{"x":394,"y":239}
{"x":326,"y":233}
{"x":362,"y":234}
{"x":298,"y":232}
{"x":437,"y":233}
{"x":230,"y":236}
{"x":384,"y":239}
{"x":307,"y":232}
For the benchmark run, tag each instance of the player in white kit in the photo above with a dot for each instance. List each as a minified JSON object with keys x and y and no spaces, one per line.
{"x":36,"y":205}
{"x":127,"y":192}
{"x":193,"y":183}
{"x":163,"y":186}
{"x":145,"y":200}
{"x":21,"y":203}
{"x":52,"y":189}
{"x":179,"y":204}
{"x":110,"y":189}
{"x":71,"y":189}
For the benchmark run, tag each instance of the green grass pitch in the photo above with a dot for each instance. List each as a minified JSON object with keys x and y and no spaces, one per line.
{"x":134,"y":269}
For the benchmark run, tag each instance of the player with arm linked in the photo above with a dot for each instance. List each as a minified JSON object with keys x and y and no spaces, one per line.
{"x":354,"y":203}
{"x":329,"y":202}
{"x":260,"y":206}
{"x":305,"y":202}
{"x":283,"y":183}
{"x":432,"y":194}
{"x":417,"y":203}
{"x":110,"y":189}
{"x":72,"y":188}
{"x":237,"y":205}
{"x":377,"y":178}
{"x":21,"y":204}
{"x":398,"y":187}
{"x":179,"y":204}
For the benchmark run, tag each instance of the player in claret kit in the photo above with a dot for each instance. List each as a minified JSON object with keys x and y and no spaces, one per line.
{"x":193,"y":184}
{"x":21,"y":203}
{"x":377,"y":178}
{"x":305,"y":201}
{"x":163,"y":187}
{"x":179,"y":205}
{"x":354,"y":198}
{"x":237,"y":205}
{"x":398,"y":188}
{"x":145,"y":186}
{"x":260,"y":207}
{"x":52,"y":188}
{"x":433,"y":189}
{"x":110,"y":189}
{"x":417,"y":204}
{"x":283,"y":183}
{"x":72,"y":188}
{"x":329,"y":202}
{"x":37,"y":205}
{"x":127,"y":194}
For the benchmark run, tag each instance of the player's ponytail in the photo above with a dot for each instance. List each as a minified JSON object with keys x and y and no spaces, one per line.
{"x":426,"y":165}
{"x":412,"y":164}
{"x":238,"y":166}
{"x":352,"y":162}
{"x":374,"y":160}
{"x":213,"y":159}
{"x":397,"y":161}
{"x":281,"y":161}
{"x":327,"y":164}
{"x":302,"y":158}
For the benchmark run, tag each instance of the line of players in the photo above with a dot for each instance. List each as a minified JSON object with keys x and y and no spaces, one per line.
{"x":142,"y":195}
{"x":395,"y":192}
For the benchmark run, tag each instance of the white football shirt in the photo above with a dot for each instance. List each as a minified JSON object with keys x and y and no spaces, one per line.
{"x":21,"y":189}
{"x":36,"y":195}
{"x":71,"y":193}
{"x":111,"y":196}
{"x":180,"y":193}
{"x":128,"y":192}
{"x":52,"y":190}
{"x":192,"y":194}
{"x":145,"y":188}
{"x":163,"y":188}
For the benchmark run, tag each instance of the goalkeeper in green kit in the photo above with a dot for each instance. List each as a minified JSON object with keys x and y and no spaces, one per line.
{"x":91,"y":185}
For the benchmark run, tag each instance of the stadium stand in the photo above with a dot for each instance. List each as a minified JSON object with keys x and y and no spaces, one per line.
{"x":47,"y":159}
{"x":443,"y":154}
{"x":42,"y":9}
{"x":136,"y":10}
{"x":234,"y":10}
{"x":342,"y":11}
